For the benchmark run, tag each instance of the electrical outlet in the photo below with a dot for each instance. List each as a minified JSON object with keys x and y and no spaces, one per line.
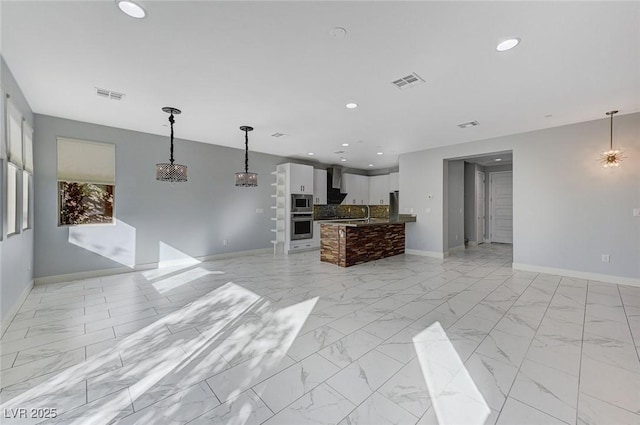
{"x":225,"y":242}
{"x":636,"y":212}
{"x":605,"y":258}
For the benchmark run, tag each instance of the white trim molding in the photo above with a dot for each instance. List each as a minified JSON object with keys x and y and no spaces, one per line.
{"x":119,"y":270}
{"x":6,"y":321}
{"x":619,"y":280}
{"x":422,"y":253}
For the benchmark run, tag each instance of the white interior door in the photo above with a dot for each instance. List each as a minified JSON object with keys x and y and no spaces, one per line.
{"x":501,"y":204}
{"x":480,"y":206}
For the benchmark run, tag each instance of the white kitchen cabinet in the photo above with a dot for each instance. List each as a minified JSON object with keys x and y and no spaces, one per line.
{"x":300,"y":178}
{"x":379,"y":190}
{"x":394,"y":182}
{"x":319,"y":187}
{"x":357,"y":189}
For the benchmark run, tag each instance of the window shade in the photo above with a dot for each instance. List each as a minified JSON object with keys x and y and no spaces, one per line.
{"x":27,"y":145}
{"x":87,"y":162}
{"x":14,"y":134}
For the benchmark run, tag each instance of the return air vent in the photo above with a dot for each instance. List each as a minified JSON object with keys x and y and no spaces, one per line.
{"x":410,"y":80}
{"x":108,"y":94}
{"x":469,"y":124}
{"x":278,"y":134}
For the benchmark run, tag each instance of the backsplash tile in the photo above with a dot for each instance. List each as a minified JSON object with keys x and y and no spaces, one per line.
{"x":349,"y":211}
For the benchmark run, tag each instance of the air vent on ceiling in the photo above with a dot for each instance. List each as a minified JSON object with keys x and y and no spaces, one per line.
{"x":278,"y":134}
{"x":339,"y":152}
{"x":410,"y":80}
{"x":108,"y":94}
{"x":469,"y":124}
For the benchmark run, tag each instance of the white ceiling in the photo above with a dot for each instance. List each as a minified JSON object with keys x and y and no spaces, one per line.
{"x":274,"y":65}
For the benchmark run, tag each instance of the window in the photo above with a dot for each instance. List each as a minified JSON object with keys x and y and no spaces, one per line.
{"x":12,"y":199}
{"x":14,"y":155}
{"x":86,"y":182}
{"x":26,"y":200}
{"x":27,"y":155}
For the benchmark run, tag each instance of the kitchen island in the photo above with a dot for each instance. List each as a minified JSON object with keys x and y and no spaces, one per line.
{"x":350,"y":242}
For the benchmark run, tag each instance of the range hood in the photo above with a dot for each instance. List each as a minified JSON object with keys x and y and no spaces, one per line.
{"x":334,"y":180}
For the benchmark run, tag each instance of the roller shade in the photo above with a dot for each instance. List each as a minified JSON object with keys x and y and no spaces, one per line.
{"x":27,"y":145}
{"x":87,"y":162}
{"x":14,"y":134}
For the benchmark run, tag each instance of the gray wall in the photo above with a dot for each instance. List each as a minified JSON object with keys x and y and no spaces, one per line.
{"x":193,"y":217}
{"x":470,"y":200}
{"x":455,"y":204}
{"x":567,"y":209}
{"x":16,"y":251}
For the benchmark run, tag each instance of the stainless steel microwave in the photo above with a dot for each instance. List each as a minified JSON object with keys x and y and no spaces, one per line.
{"x":301,"y":203}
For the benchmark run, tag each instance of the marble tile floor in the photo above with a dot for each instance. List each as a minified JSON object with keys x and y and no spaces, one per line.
{"x":291,"y":340}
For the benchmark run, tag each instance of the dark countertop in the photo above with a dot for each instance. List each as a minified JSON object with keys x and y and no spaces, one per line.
{"x":359,"y":222}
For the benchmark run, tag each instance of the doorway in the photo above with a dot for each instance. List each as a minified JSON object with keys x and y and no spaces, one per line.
{"x":501,"y":206}
{"x":480,"y":207}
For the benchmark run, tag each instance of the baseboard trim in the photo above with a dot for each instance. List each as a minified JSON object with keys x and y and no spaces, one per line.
{"x":456,"y":248}
{"x":141,"y":267}
{"x":619,"y":280}
{"x":6,"y":321}
{"x":422,"y":253}
{"x":473,"y":243}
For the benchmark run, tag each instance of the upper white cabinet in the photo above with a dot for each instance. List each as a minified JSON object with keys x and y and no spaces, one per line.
{"x":357,"y":189}
{"x":394,"y":182}
{"x":300,"y":178}
{"x":319,"y":187}
{"x":379,"y":190}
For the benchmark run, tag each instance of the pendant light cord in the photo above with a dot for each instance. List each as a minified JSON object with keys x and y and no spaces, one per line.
{"x":611,"y":136}
{"x":171,"y":120}
{"x":246,"y":150}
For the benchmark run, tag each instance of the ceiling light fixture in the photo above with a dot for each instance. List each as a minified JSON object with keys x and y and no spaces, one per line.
{"x":245,"y":178}
{"x":370,"y":165}
{"x":310,"y":154}
{"x":611,"y":158}
{"x":498,"y":159}
{"x":168,"y":171}
{"x":345,"y":144}
{"x":352,"y":105}
{"x":343,"y":159}
{"x":508,"y":44}
{"x":379,"y":153}
{"x":131,"y":8}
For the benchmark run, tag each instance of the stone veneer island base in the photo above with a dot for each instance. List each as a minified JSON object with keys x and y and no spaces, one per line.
{"x":349,"y":243}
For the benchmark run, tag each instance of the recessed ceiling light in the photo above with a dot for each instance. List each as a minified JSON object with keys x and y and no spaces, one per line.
{"x":131,"y":8}
{"x":343,"y":159}
{"x":370,"y":165}
{"x":498,"y":159}
{"x":338,"y":32}
{"x":345,"y":144}
{"x":310,"y":154}
{"x":508,"y":44}
{"x":379,"y":153}
{"x":352,"y":105}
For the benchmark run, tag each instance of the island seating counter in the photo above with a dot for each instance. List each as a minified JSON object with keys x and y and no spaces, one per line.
{"x":349,"y":242}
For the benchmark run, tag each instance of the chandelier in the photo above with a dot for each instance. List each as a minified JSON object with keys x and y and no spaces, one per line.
{"x":168,"y":171}
{"x":245,"y":178}
{"x":611,"y":158}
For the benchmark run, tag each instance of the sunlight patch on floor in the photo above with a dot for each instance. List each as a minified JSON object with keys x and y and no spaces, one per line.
{"x":454,"y":395}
